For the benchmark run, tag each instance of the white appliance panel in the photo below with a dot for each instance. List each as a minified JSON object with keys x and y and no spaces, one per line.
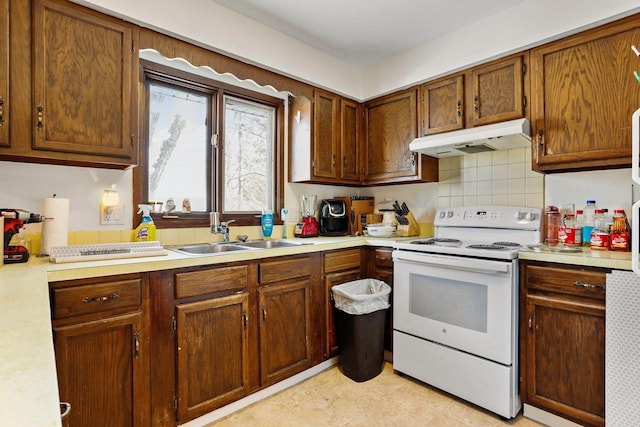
{"x":465,"y":304}
{"x":489,"y":385}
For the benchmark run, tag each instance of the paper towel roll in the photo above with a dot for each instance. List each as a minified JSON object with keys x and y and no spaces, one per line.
{"x":55,"y":229}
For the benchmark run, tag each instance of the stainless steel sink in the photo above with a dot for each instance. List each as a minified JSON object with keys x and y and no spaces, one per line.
{"x":268,"y":244}
{"x":208,"y":248}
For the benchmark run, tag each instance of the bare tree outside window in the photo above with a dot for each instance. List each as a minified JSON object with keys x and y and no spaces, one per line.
{"x":178,"y":146}
{"x":249,"y":140}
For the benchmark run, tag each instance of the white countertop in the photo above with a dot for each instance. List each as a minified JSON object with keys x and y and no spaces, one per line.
{"x":29,"y":392}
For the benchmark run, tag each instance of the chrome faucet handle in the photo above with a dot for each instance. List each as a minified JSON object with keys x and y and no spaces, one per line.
{"x":226,"y":223}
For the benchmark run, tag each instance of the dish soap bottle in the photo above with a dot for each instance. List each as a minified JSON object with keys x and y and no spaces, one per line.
{"x":146,"y":231}
{"x":267,"y":223}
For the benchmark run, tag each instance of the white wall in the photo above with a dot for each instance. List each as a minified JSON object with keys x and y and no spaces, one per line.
{"x":518,"y":28}
{"x":25,"y":186}
{"x":211,"y":25}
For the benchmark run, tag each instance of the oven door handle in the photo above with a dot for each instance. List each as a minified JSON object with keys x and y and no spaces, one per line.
{"x":459,"y":263}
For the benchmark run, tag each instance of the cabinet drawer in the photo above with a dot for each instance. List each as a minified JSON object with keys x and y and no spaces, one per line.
{"x":211,"y":281}
{"x":276,"y":271}
{"x":567,"y":280}
{"x":95,"y":298}
{"x":384,"y":257}
{"x":342,"y":260}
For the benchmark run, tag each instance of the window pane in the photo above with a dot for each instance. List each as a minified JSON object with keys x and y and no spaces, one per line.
{"x":248,"y":156}
{"x":178,"y":146}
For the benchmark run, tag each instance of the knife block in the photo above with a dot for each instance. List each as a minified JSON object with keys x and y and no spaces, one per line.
{"x":411,"y":229}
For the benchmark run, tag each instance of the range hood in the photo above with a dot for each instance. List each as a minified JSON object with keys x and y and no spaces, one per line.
{"x":497,"y":136}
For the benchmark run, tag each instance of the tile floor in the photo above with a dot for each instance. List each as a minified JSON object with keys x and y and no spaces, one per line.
{"x":332,"y":399}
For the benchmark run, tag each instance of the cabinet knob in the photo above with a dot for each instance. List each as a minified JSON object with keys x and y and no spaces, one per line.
{"x":459,"y":108}
{"x":476,"y":104}
{"x":1,"y":111}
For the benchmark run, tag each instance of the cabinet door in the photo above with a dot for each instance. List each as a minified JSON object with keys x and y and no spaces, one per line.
{"x":565,"y":349}
{"x":331,"y":341}
{"x":213,"y":357}
{"x":4,"y":73}
{"x":284,"y":329}
{"x":349,"y":142}
{"x":498,"y":91}
{"x":584,"y":94}
{"x":83,"y":67}
{"x":383,"y":270}
{"x":326,"y":135}
{"x":103,"y":371}
{"x":443,"y":105}
{"x":392,"y":123}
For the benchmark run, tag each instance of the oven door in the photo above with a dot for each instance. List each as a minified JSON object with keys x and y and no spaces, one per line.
{"x":469,"y":304}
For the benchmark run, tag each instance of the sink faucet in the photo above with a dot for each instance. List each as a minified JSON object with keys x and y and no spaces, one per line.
{"x":219,"y":227}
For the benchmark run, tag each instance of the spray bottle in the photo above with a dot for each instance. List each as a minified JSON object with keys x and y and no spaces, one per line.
{"x":146,"y":231}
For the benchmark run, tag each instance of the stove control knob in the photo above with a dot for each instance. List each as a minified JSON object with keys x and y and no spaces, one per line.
{"x":442,"y":214}
{"x":519,"y":215}
{"x":529,"y":216}
{"x":450,"y":214}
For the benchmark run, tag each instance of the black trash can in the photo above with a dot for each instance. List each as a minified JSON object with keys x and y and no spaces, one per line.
{"x":360,"y":310}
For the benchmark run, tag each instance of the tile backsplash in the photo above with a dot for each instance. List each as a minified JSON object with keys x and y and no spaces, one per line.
{"x":490,"y":178}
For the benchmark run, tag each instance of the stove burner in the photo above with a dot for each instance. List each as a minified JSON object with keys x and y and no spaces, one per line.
{"x":489,"y":247}
{"x":438,"y":241}
{"x":508,"y":244}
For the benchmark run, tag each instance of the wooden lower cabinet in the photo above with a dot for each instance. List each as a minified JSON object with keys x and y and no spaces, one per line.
{"x":212,"y":353}
{"x":285,"y":347}
{"x":284,"y":301}
{"x":101,"y":336}
{"x":562,"y":340}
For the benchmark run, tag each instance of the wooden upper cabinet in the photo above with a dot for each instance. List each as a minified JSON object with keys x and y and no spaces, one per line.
{"x":584,"y":96}
{"x":350,"y":141}
{"x":83,"y":86}
{"x":490,"y":93}
{"x":4,"y":73}
{"x":326,"y":135}
{"x":498,"y":91}
{"x":324,"y":143}
{"x":443,"y":105}
{"x":392,"y":123}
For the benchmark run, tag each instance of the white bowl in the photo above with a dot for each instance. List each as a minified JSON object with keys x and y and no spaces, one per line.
{"x":381,"y":230}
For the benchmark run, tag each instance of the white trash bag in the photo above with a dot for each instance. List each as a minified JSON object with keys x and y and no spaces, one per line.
{"x":361,"y":296}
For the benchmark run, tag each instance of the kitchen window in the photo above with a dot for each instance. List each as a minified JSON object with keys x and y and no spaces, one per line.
{"x":216,"y":145}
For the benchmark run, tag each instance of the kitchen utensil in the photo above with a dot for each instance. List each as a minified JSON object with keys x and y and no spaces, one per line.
{"x":405,"y":208}
{"x":402,"y":220}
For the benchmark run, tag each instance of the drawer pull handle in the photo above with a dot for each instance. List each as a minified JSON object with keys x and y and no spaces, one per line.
{"x":530,"y":322}
{"x":65,"y":408}
{"x":136,"y":344}
{"x":245,"y":320}
{"x":589,"y":285}
{"x":264,"y":313}
{"x":101,"y":298}
{"x":1,"y":112}
{"x":40,"y":114}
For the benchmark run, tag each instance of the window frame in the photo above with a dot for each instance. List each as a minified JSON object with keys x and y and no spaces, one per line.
{"x":162,"y":73}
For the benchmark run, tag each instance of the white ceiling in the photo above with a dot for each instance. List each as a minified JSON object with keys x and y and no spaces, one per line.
{"x":364,"y":32}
